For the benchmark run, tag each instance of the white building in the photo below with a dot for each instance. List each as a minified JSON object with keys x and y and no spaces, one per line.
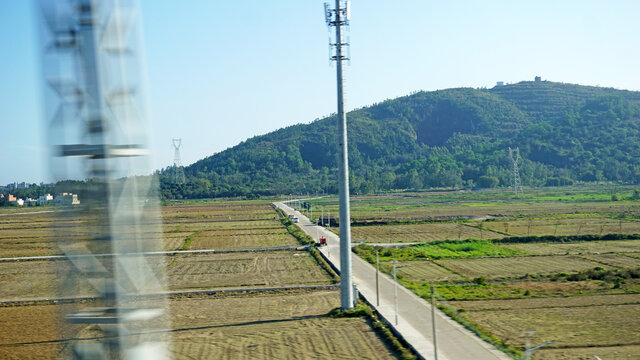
{"x":67,"y":199}
{"x":45,"y":199}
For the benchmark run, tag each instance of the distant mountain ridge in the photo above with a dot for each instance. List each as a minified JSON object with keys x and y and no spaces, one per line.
{"x":447,"y":138}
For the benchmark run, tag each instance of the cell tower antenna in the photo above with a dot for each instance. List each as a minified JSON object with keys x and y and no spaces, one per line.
{"x":178,"y":170}
{"x":338,"y":17}
{"x":514,"y":155}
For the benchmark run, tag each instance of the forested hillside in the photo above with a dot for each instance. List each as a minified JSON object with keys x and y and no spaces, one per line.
{"x":449,"y":138}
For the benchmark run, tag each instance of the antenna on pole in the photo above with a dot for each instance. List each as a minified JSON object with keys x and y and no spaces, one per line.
{"x":338,"y":17}
{"x":178,"y":170}
{"x":514,"y":155}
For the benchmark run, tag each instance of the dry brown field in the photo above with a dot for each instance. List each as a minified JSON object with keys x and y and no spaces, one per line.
{"x":38,"y":279}
{"x":213,"y":225}
{"x":283,"y":325}
{"x":245,"y":269}
{"x":615,"y":260}
{"x":518,"y":266}
{"x":628,"y":247}
{"x":419,"y":233}
{"x":579,"y":328}
{"x":290,"y":325}
{"x":562,"y":227}
{"x":406,"y":210}
{"x":423,"y":271}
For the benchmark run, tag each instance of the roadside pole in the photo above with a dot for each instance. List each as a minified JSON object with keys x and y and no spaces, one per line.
{"x":377,"y":280}
{"x":395,"y":289}
{"x":433,"y":322}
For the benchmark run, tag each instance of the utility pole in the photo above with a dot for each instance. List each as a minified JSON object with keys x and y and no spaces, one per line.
{"x":395,"y":289}
{"x":339,"y":18}
{"x":433,"y":322}
{"x":377,"y":279}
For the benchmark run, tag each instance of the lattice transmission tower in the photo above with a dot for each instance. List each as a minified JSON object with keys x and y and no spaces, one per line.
{"x":514,"y":155}
{"x":95,"y":118}
{"x":178,"y":170}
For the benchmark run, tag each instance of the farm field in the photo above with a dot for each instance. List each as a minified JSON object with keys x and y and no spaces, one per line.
{"x":418,"y":233}
{"x":256,"y":326}
{"x":567,"y":226}
{"x":465,"y":204}
{"x":245,"y":269}
{"x":37,"y":279}
{"x":573,"y":286}
{"x":274,"y":326}
{"x":208,"y":225}
{"x":578,"y":328}
{"x":517,"y":266}
{"x":628,"y":247}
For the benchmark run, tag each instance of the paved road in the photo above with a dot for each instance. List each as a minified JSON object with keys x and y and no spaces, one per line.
{"x":414,"y":318}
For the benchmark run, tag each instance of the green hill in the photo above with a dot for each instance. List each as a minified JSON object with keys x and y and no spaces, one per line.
{"x":448,"y":138}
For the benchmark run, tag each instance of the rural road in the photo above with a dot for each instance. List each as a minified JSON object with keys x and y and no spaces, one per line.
{"x":414,"y":318}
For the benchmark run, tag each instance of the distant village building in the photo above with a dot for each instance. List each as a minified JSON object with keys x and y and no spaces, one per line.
{"x":31,"y":202}
{"x":66,"y":199}
{"x":11,"y":198}
{"x":537,"y":79}
{"x":45,"y":199}
{"x":500,"y":83}
{"x":20,"y":202}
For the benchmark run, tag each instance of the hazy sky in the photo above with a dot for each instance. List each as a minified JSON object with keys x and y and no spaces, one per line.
{"x":223,"y":71}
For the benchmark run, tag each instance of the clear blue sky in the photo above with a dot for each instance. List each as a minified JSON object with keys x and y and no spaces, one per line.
{"x":223,"y":71}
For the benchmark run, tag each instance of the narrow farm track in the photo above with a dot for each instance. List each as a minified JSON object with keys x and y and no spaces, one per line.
{"x":414,"y":318}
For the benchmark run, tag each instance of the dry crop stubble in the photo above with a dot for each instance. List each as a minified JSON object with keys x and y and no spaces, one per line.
{"x":607,"y":325}
{"x":518,"y":266}
{"x":270,"y":326}
{"x":563,"y":227}
{"x":245,"y":269}
{"x":589,"y":247}
{"x":427,"y":232}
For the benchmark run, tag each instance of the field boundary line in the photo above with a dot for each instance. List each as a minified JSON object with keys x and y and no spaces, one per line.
{"x":7,"y":303}
{"x":169,"y":252}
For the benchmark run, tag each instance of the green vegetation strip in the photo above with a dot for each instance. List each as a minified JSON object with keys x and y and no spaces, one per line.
{"x":435,"y":250}
{"x":471,"y":248}
{"x":189,"y":239}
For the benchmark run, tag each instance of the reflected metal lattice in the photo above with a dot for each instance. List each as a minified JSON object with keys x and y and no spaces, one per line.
{"x":96,"y":127}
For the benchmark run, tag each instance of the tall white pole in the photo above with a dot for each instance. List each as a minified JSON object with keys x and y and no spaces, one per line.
{"x":377,"y":280}
{"x":346,"y":284}
{"x":433,"y":322}
{"x":395,"y":291}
